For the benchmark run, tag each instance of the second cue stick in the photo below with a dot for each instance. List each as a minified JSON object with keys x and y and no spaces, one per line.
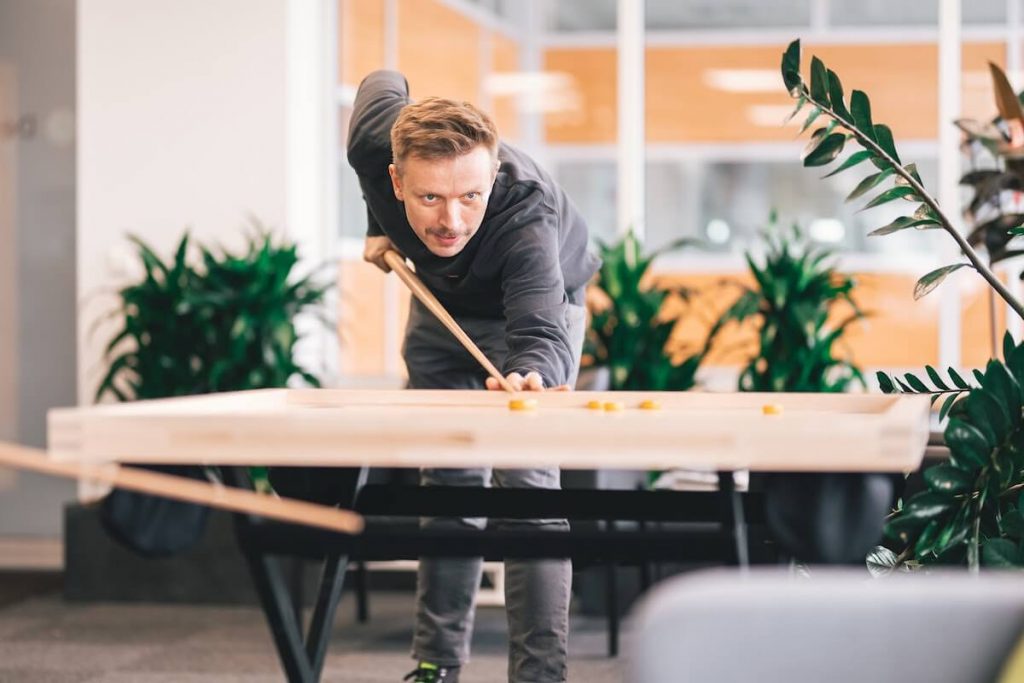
{"x":397,"y":264}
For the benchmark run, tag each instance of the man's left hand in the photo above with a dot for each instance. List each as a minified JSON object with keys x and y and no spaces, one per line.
{"x":531,"y":382}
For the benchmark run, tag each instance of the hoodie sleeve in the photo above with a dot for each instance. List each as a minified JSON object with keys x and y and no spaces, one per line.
{"x":536,"y":306}
{"x":379,"y":99}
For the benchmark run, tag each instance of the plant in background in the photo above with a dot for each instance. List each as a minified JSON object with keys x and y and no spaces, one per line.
{"x":796,"y":290}
{"x":628,"y":331}
{"x":972,"y":510}
{"x":225,"y":326}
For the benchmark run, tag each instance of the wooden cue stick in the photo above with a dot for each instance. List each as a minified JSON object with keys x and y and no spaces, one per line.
{"x":397,"y":264}
{"x":182,"y":488}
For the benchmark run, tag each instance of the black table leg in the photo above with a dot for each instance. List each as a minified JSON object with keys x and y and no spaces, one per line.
{"x":732,"y":516}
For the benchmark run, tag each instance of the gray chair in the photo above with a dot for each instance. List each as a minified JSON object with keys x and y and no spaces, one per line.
{"x":770,"y":626}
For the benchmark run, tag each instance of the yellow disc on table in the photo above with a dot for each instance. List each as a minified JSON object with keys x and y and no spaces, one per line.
{"x":522,"y":404}
{"x":650,"y":405}
{"x":771,"y":409}
{"x":595,"y":405}
{"x":613,"y":406}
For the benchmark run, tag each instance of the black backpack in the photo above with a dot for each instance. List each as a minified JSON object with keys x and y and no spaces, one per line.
{"x":153,"y":526}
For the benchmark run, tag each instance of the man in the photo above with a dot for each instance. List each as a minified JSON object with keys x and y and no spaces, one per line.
{"x":505,"y":252}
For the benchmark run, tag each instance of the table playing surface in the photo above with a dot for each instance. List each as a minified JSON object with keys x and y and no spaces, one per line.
{"x":456,"y":428}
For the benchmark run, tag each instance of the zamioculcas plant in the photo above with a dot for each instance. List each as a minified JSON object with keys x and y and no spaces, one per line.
{"x":628,"y":332}
{"x":972,"y":509}
{"x":796,"y":289}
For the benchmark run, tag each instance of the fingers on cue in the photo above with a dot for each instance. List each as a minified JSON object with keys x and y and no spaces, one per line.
{"x":533,"y":382}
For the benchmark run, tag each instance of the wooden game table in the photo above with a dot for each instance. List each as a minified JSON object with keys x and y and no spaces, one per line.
{"x":341,"y":433}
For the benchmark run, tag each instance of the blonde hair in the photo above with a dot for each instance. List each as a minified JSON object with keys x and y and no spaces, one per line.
{"x":436,"y":128}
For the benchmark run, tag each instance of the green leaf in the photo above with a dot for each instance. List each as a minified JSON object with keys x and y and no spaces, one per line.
{"x":927,"y":539}
{"x":946,"y":406}
{"x":801,"y":101}
{"x":889,"y":196}
{"x":819,"y":82}
{"x":948,"y":479}
{"x":916,"y":384}
{"x":884,"y":383}
{"x":928,"y":505}
{"x":1012,"y":525}
{"x":1000,"y":553}
{"x":851,"y":161}
{"x":933,"y":279}
{"x":958,"y":380}
{"x":835,"y":92}
{"x":868,"y":183}
{"x":825,"y":151}
{"x":903,"y":223}
{"x":966,"y":444}
{"x":936,"y":379}
{"x":1008,"y":346}
{"x":884,"y":137}
{"x":860,"y":107}
{"x":791,"y":68}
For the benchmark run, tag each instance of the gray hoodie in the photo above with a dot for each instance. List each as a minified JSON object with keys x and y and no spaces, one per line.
{"x":526,"y":263}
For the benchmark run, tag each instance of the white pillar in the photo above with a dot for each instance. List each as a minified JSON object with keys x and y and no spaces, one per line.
{"x":631,"y":116}
{"x":949,"y":175}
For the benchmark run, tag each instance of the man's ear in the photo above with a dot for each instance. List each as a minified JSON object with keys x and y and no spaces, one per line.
{"x":396,"y":182}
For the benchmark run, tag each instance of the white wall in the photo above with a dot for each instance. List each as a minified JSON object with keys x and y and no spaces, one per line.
{"x":194,"y":114}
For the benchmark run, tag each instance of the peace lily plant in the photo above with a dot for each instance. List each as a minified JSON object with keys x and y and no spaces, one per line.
{"x":972,"y":509}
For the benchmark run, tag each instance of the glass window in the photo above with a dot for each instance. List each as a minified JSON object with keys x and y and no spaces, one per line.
{"x":910,"y":13}
{"x":668,"y":15}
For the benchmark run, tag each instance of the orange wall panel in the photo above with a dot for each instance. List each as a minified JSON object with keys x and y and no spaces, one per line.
{"x":682,"y":104}
{"x":976,"y":320}
{"x":438,"y":51}
{"x":505,"y":108}
{"x":361,"y":39}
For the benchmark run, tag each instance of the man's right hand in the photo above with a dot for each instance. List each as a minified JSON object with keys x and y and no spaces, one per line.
{"x":374,"y":249}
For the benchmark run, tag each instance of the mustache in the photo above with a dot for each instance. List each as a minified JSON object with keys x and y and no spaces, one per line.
{"x":446,"y":234}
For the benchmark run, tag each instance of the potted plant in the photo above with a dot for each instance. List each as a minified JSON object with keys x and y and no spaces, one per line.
{"x":971,"y":510}
{"x":796,"y":290}
{"x":629,"y":329}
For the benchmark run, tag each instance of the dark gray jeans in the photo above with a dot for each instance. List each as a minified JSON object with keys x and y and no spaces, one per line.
{"x":536,"y":591}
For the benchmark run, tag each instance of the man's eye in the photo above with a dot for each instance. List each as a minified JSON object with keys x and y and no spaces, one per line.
{"x":430,"y":197}
{"x":472,"y":195}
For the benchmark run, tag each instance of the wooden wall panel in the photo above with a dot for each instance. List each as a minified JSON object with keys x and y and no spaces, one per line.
{"x":361,"y":39}
{"x":681,"y":106}
{"x":505,"y":109}
{"x":899,"y":333}
{"x":361,"y":319}
{"x":975,"y":320}
{"x":438,"y":51}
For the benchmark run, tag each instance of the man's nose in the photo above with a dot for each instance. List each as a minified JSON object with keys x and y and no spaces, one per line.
{"x":451,"y":217}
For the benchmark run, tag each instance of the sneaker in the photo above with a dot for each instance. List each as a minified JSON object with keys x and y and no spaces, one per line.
{"x":432,"y":673}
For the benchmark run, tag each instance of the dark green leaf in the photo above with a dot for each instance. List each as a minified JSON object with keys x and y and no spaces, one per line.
{"x":860,"y":107}
{"x":916,"y":384}
{"x":811,"y":118}
{"x":966,"y":444}
{"x":889,"y":196}
{"x":791,"y":67}
{"x":1012,"y":525}
{"x":825,"y":151}
{"x":958,"y":380}
{"x":819,"y":82}
{"x":884,"y":137}
{"x":928,"y":505}
{"x":947,"y":405}
{"x":868,"y":183}
{"x":948,"y":479}
{"x":1008,"y":346}
{"x":936,"y":379}
{"x":903,"y":223}
{"x":884,"y":383}
{"x":933,"y":279}
{"x":1000,"y":553}
{"x":835,"y":91}
{"x":851,"y":161}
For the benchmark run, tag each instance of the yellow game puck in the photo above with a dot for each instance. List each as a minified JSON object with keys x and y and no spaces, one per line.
{"x":522,"y":404}
{"x":650,"y":405}
{"x":594,"y":405}
{"x":613,"y":406}
{"x":771,"y":409}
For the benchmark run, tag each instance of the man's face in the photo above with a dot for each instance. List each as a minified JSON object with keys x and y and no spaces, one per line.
{"x":445,"y":199}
